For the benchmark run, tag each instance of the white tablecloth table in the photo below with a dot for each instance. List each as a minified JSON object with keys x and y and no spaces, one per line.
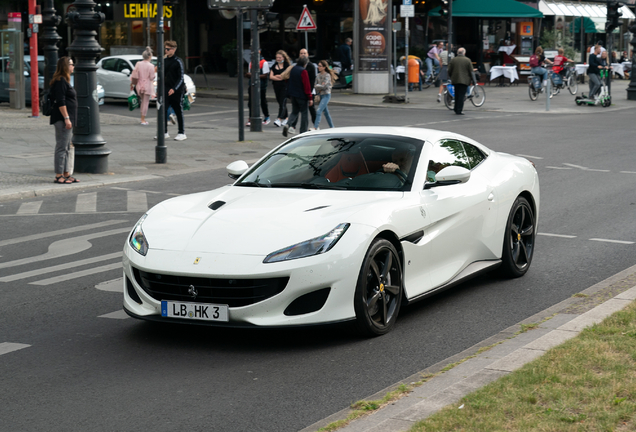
{"x":506,"y":71}
{"x":581,"y":69}
{"x":508,"y":49}
{"x":627,"y":66}
{"x":618,"y":69}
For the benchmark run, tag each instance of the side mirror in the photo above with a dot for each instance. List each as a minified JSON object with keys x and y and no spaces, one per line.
{"x":449,"y":176}
{"x":126,"y":71}
{"x":236,"y":169}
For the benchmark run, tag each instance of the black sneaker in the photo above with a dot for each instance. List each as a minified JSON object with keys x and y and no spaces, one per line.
{"x":285,"y":130}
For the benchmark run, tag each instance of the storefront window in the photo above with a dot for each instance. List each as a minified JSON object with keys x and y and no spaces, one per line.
{"x":113,"y":34}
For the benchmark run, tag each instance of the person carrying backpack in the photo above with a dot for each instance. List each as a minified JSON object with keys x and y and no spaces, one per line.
{"x":537,"y":61}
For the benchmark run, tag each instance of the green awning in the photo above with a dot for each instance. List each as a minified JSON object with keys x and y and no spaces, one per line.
{"x":591,"y":25}
{"x":491,"y":9}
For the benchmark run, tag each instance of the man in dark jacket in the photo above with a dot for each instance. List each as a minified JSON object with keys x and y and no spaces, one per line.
{"x":299,"y":92}
{"x":174,"y":86}
{"x":345,"y":54}
{"x":311,"y":71}
{"x":593,"y":72}
{"x":460,"y":72}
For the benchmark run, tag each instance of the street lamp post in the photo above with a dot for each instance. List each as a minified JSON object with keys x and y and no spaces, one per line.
{"x":50,"y":21}
{"x":91,"y":156}
{"x":631,"y":89}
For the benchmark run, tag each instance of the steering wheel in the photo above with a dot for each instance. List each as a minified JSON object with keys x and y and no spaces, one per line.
{"x":398,"y":172}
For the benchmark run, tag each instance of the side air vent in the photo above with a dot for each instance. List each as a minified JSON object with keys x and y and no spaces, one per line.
{"x":317,"y":208}
{"x":216,"y":204}
{"x":414,"y":238}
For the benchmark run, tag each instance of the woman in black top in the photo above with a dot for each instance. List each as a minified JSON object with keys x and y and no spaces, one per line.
{"x":280,"y":85}
{"x":63,"y":117}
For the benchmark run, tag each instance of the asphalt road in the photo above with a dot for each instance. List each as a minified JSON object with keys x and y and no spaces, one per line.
{"x":84,"y":368}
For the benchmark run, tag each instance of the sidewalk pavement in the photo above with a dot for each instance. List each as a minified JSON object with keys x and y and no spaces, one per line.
{"x":26,"y":171}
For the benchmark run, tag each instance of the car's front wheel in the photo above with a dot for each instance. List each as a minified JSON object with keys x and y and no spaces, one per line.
{"x":519,"y":237}
{"x":378,"y":293}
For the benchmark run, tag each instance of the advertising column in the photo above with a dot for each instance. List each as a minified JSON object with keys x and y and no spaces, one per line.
{"x":372,"y":53}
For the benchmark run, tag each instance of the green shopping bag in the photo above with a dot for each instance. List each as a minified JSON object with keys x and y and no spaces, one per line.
{"x":133,"y":101}
{"x":186,"y":102}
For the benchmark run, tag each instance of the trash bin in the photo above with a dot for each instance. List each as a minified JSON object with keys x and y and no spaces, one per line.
{"x":414,"y":71}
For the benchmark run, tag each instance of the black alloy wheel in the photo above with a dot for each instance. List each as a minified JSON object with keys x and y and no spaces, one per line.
{"x":519,"y":238}
{"x":379,"y":289}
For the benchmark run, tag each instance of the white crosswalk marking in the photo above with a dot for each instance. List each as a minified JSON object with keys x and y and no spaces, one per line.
{"x":115,"y":285}
{"x":137,"y":201}
{"x":78,"y":274}
{"x":30,"y":208}
{"x":7,"y":347}
{"x":64,"y":266}
{"x":86,"y":202}
{"x":65,"y":247}
{"x":120,"y":314}
{"x":72,"y":230}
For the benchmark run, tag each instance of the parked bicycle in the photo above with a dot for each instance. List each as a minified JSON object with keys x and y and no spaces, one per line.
{"x":476,"y":94}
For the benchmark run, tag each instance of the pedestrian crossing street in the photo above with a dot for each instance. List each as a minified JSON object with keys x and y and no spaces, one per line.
{"x":111,"y":200}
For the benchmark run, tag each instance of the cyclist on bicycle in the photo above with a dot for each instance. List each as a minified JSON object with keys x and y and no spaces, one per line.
{"x":537,"y":61}
{"x":559,"y":61}
{"x":445,"y":56}
{"x":433,"y":58}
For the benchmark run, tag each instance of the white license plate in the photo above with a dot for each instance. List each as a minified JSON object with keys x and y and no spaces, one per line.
{"x":195,"y":311}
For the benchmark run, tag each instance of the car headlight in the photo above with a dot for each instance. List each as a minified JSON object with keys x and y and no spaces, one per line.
{"x":137,"y":238}
{"x":315,"y":246}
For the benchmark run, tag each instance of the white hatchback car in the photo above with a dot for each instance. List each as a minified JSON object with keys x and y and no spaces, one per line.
{"x":114,"y":72}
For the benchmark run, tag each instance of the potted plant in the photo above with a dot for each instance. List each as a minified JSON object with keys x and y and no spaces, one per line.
{"x":229,"y":52}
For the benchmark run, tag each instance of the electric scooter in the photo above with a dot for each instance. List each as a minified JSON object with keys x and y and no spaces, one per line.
{"x":604,"y":98}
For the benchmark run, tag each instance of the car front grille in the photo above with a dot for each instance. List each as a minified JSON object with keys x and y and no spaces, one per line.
{"x":232,"y":292}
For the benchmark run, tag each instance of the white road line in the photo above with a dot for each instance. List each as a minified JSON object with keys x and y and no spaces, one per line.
{"x":72,"y":230}
{"x":115,"y":285}
{"x":30,"y":208}
{"x":78,"y":274}
{"x":65,"y":247}
{"x":556,"y":235}
{"x":562,"y":168}
{"x":120,"y":314}
{"x":597,"y":170}
{"x":627,"y":172}
{"x":86,"y":202}
{"x":612,"y":241}
{"x":575,"y":166}
{"x":137,"y":201}
{"x":528,"y":156}
{"x":56,"y":268}
{"x":120,"y":188}
{"x":7,"y":347}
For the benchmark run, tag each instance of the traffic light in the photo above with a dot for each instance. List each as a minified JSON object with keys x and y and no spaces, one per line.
{"x":443,"y":11}
{"x":613,"y":14}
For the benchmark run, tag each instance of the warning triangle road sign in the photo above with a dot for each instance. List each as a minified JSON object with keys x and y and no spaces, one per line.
{"x":306,"y":22}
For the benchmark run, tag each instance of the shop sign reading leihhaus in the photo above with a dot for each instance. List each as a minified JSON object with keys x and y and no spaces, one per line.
{"x":136,"y":10}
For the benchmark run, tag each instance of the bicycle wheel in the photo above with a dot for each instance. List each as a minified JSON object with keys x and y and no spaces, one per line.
{"x":554,"y":90}
{"x":533,"y":94}
{"x":449,"y":101}
{"x":478,"y":96}
{"x":426,"y":83}
{"x":572,"y":84}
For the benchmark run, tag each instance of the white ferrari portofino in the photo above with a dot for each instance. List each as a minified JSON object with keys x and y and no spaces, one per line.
{"x":331,"y":226}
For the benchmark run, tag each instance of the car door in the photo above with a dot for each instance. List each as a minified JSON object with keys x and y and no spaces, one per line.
{"x":122,"y":83}
{"x":116,"y":83}
{"x":457,"y":213}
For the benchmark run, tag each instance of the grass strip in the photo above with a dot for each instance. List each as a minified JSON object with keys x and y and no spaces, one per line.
{"x":586,"y":384}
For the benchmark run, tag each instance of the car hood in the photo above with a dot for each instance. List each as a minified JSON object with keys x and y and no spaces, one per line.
{"x":256,"y":221}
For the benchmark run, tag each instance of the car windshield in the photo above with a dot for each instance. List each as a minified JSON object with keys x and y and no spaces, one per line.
{"x":341,"y":162}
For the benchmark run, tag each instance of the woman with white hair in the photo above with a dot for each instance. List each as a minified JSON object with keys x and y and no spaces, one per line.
{"x":142,"y":79}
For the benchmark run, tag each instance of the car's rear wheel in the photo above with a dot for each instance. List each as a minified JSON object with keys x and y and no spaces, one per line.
{"x":519,"y":238}
{"x":378,"y":293}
